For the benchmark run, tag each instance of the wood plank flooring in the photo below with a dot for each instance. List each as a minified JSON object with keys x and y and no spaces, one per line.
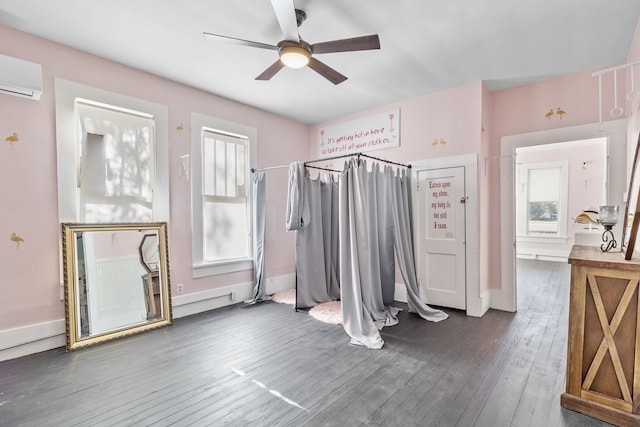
{"x":267,"y":365}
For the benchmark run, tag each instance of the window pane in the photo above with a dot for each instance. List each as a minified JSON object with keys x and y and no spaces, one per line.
{"x":240,"y":175}
{"x":231,"y":169}
{"x":543,"y":217}
{"x":225,"y":231}
{"x":208,"y":167}
{"x":220,"y":168}
{"x":544,"y":184}
{"x":116,"y":164}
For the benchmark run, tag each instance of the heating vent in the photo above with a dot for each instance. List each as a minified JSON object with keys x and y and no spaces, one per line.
{"x":20,"y":78}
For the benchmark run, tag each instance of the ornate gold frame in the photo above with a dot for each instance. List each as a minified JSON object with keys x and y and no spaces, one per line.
{"x":69,"y":232}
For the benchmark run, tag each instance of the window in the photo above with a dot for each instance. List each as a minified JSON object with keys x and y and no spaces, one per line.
{"x":221,"y":163}
{"x":224,"y":199}
{"x":113,"y":156}
{"x":542,"y":199}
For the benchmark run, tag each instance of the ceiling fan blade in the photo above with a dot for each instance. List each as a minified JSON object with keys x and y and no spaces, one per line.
{"x":241,"y":42}
{"x":325,"y":71}
{"x":271,"y":71}
{"x":348,"y":45}
{"x":286,"y":13}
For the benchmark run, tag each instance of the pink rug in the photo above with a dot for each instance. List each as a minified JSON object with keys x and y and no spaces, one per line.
{"x":328,"y":312}
{"x":285,"y":297}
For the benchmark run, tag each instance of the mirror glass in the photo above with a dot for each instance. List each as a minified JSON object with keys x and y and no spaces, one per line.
{"x":116,"y":280}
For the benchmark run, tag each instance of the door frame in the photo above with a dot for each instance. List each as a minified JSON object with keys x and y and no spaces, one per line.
{"x":616,"y":133}
{"x":476,"y":304}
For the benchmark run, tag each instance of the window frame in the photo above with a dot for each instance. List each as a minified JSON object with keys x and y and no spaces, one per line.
{"x":68,"y":145}
{"x":200,"y":123}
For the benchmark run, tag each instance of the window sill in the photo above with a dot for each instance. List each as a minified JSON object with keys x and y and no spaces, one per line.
{"x":213,"y":269}
{"x":542,"y":239}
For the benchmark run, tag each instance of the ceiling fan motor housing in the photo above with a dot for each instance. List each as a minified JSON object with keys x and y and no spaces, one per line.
{"x":300,"y":16}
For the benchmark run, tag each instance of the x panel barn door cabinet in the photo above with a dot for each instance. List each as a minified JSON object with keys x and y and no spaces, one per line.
{"x":603,"y":356}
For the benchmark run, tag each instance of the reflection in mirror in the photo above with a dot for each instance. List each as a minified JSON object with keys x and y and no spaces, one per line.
{"x":116,"y":280}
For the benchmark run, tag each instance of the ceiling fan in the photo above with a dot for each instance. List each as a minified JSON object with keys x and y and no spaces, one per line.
{"x":296,"y":53}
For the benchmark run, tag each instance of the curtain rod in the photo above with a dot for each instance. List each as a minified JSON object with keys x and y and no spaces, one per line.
{"x":322,"y":169}
{"x":357,"y":155}
{"x":253,"y":170}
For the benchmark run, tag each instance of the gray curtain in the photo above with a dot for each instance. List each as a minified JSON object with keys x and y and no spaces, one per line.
{"x":372,"y":206}
{"x":316,"y":244}
{"x":404,"y":246}
{"x":258,"y":198}
{"x":348,"y":237}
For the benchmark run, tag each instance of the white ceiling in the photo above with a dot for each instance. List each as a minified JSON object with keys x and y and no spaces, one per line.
{"x":426,"y":46}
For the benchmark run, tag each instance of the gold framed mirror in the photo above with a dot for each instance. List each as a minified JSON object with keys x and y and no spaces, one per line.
{"x":116,"y":281}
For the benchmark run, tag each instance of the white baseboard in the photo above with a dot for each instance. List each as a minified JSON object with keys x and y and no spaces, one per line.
{"x":543,"y":255}
{"x":30,"y":339}
{"x":280,"y":283}
{"x":478,"y":307}
{"x":502,"y":300}
{"x":18,"y":342}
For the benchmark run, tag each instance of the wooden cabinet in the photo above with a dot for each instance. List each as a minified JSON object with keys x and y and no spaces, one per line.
{"x":603,"y":356}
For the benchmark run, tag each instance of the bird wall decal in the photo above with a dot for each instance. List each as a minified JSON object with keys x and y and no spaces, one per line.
{"x":549,"y":114}
{"x":16,"y":239}
{"x":12,"y":139}
{"x":560,"y":112}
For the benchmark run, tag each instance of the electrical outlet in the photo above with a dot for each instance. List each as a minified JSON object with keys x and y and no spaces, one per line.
{"x":180,"y":288}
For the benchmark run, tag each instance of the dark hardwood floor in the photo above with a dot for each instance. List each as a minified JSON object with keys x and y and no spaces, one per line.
{"x":267,"y":365}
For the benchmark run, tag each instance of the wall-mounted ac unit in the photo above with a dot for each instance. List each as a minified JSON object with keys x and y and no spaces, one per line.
{"x":20,"y":78}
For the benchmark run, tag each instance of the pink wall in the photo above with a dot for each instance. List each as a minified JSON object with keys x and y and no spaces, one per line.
{"x":453,"y":115}
{"x":30,"y":274}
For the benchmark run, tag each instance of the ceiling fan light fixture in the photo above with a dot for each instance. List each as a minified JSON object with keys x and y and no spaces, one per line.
{"x":294,"y":56}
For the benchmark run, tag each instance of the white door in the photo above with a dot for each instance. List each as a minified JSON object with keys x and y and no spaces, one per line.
{"x":441,"y":237}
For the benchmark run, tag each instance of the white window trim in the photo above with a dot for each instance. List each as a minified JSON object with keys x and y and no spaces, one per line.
{"x":198,"y":122}
{"x":67,"y":145}
{"x":521,"y":226}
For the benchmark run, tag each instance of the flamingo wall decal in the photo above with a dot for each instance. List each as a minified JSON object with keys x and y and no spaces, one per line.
{"x":12,"y":139}
{"x":16,"y":239}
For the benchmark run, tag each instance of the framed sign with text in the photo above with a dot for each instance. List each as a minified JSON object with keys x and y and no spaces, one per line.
{"x":375,"y":132}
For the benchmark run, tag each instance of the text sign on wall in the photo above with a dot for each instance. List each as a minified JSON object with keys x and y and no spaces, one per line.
{"x":440,"y":209}
{"x":374,"y":132}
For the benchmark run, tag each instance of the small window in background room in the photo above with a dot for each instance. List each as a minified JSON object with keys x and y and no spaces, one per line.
{"x":542,"y":199}
{"x":116,"y":173}
{"x":223,"y":154}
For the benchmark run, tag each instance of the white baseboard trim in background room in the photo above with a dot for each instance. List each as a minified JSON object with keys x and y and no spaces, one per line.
{"x":25,"y":340}
{"x":543,"y":255}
